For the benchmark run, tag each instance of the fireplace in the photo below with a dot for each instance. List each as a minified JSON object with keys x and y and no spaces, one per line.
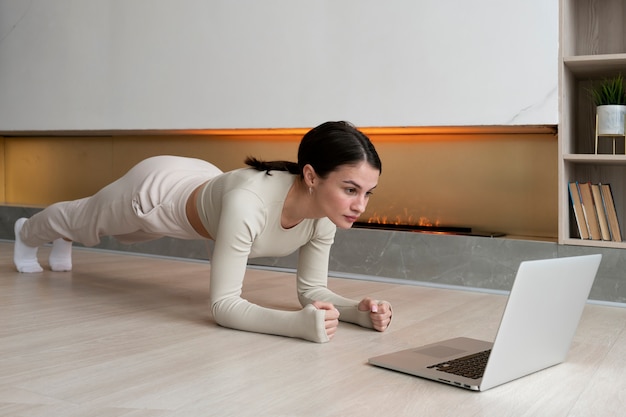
{"x":462,"y":180}
{"x":427,"y":228}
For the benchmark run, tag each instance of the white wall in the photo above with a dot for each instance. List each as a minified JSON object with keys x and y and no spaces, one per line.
{"x":192,"y":64}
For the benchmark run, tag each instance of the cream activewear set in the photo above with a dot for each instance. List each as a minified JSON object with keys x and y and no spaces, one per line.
{"x":240,"y":209}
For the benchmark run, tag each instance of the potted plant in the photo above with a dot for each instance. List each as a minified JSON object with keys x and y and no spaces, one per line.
{"x":609,"y":96}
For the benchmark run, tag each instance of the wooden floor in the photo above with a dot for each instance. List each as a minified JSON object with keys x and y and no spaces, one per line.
{"x":132,"y":336}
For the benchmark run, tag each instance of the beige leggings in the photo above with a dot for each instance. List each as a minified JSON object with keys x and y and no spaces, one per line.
{"x":147,"y":203}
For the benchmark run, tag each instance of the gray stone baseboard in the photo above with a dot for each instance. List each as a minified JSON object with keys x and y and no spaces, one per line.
{"x":472,"y":262}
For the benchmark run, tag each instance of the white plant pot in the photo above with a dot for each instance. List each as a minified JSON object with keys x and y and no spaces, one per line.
{"x":611,"y":120}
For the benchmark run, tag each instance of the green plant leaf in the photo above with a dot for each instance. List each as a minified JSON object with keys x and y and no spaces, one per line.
{"x":609,"y":91}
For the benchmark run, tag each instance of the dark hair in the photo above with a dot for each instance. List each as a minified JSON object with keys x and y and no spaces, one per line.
{"x":325,"y":148}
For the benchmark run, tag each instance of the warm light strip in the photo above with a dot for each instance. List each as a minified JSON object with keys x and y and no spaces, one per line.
{"x":276,"y":132}
{"x":399,"y":130}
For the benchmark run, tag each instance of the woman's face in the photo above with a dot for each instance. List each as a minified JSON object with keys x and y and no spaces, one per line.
{"x":343,"y":195}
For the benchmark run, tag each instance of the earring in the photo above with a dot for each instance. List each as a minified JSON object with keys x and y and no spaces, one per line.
{"x":310,"y":190}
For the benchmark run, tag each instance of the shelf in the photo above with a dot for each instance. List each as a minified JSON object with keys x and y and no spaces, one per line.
{"x":595,"y":159}
{"x":592,"y":35}
{"x":595,"y":65}
{"x":594,"y":243}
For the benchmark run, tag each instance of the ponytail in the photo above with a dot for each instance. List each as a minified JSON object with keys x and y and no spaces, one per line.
{"x":268,"y":166}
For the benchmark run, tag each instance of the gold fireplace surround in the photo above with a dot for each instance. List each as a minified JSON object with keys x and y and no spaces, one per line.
{"x":489,"y":178}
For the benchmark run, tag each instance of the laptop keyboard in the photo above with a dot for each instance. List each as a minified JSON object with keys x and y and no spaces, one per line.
{"x":471,"y":366}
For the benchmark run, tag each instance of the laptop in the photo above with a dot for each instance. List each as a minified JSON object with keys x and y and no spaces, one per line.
{"x":536,"y":330}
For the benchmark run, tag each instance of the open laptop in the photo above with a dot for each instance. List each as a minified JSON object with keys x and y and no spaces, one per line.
{"x":536,"y":329}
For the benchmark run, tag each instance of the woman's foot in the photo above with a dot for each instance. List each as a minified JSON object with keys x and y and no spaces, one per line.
{"x":61,"y":255}
{"x":24,"y":257}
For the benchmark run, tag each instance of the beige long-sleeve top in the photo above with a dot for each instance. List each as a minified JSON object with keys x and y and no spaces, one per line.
{"x":242,"y":210}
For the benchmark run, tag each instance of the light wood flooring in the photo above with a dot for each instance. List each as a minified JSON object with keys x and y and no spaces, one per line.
{"x":132,"y":336}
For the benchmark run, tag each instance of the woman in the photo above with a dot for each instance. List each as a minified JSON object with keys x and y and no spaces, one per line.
{"x":270,"y":209}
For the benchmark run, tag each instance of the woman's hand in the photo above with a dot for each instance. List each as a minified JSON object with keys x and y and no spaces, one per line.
{"x":380,"y":313}
{"x":331,"y":319}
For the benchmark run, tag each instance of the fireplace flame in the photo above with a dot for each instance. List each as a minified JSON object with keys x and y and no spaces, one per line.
{"x":406,"y":220}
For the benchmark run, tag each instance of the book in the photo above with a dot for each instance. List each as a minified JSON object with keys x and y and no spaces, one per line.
{"x":574,"y":193}
{"x":601,"y":212}
{"x":611,"y":213}
{"x":589,"y":209}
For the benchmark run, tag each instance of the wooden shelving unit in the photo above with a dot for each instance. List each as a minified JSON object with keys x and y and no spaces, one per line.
{"x":592,"y":47}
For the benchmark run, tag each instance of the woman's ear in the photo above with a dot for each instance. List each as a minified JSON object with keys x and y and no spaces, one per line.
{"x":309,"y":175}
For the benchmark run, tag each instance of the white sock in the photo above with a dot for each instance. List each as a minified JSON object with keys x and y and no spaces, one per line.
{"x":24,"y":256}
{"x":61,"y":255}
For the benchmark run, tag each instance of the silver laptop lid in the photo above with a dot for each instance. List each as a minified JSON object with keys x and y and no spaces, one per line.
{"x":531,"y":339}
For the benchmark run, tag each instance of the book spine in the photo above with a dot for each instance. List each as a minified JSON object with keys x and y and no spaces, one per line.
{"x":611,"y":212}
{"x":574,"y":192}
{"x":601,"y":212}
{"x":591,"y":215}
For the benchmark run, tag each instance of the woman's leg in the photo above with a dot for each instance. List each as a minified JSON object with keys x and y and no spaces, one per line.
{"x":107,"y":212}
{"x":146,"y":203}
{"x":62,"y":223}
